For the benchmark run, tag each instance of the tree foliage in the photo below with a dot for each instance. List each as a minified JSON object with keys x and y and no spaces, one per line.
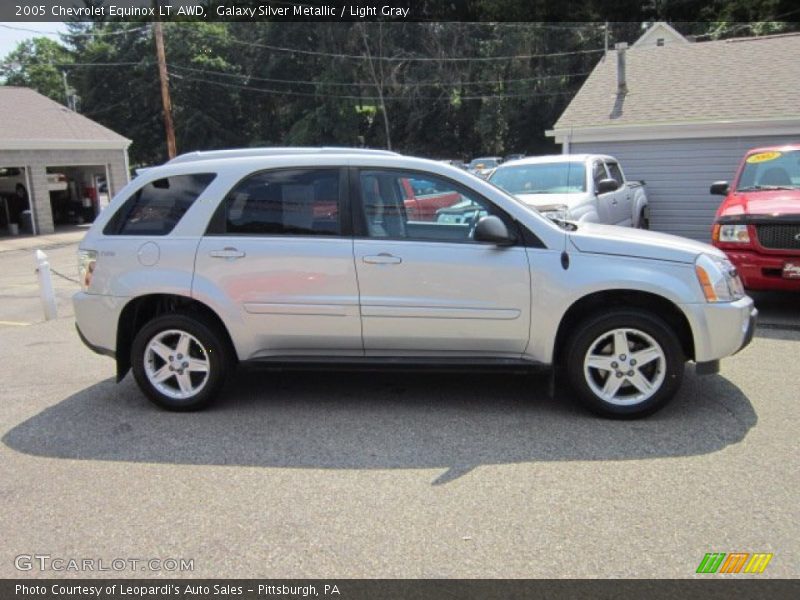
{"x":432,"y":88}
{"x":37,"y":63}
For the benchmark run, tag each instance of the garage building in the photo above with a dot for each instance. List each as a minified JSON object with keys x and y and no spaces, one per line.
{"x":681,"y":114}
{"x":56,"y":166}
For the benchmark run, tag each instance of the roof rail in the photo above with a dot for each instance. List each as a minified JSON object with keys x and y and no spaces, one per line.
{"x":254,"y":152}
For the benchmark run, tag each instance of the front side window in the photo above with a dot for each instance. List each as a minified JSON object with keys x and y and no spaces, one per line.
{"x":443,"y":211}
{"x":156,"y":207}
{"x":615,"y":172}
{"x":283,"y":202}
{"x":598,"y":172}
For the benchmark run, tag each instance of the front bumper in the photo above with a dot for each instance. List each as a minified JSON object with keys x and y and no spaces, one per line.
{"x":721,"y":329}
{"x":764,"y":272}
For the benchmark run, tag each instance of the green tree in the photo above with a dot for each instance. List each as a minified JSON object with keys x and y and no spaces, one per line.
{"x":37,"y":63}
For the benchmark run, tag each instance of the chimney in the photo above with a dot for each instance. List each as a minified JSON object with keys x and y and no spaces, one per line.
{"x":622,"y":83}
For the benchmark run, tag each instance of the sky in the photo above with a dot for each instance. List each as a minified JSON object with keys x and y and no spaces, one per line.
{"x":9,"y":38}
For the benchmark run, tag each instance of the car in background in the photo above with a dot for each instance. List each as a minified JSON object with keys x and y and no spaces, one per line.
{"x":758,"y":223}
{"x":576,"y":187}
{"x":460,"y":164}
{"x":483,"y":167}
{"x":423,"y":198}
{"x":12,"y":181}
{"x":57,"y":182}
{"x":511,"y":157}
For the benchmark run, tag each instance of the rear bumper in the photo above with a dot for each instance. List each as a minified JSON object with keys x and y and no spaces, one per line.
{"x":92,"y":347}
{"x":96,"y":319}
{"x":764,"y":272}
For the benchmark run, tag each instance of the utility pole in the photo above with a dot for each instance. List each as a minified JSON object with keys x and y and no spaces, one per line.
{"x":158,"y":34}
{"x":70,"y":97}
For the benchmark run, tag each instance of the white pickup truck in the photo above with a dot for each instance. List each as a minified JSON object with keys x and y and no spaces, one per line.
{"x":576,"y":187}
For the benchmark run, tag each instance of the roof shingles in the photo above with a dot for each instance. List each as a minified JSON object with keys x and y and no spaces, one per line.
{"x":741,"y":79}
{"x":27,"y":115}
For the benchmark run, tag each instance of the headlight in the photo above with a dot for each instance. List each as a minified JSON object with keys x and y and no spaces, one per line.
{"x":559,"y":212}
{"x":718,"y":279}
{"x":732,"y":234}
{"x":86,"y":262}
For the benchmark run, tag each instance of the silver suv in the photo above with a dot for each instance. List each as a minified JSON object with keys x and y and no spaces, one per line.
{"x":369,"y":257}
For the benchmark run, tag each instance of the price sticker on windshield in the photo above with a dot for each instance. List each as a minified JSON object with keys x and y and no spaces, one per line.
{"x":763,"y":157}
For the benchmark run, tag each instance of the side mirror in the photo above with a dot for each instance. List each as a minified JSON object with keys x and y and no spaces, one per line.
{"x":719,"y":188}
{"x":492,"y":229}
{"x":607,"y":185}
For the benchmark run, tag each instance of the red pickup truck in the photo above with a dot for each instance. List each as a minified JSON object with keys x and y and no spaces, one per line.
{"x":758,"y":223}
{"x":423,"y":200}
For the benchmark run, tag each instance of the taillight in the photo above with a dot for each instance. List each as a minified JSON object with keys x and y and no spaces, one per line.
{"x":87,"y":259}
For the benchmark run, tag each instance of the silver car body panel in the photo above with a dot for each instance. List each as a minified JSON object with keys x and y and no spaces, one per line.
{"x":317,"y":296}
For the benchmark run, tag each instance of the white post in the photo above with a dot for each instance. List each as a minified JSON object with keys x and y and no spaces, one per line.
{"x":46,"y":286}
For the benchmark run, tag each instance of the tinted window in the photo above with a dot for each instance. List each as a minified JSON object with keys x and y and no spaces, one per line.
{"x":544,"y":178}
{"x":157,"y":207}
{"x":446,"y":212}
{"x":615,"y":172}
{"x":285,"y":202}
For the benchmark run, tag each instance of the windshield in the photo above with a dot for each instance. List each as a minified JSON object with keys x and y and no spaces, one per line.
{"x":542,"y":178}
{"x":486,"y":163}
{"x":771,"y":170}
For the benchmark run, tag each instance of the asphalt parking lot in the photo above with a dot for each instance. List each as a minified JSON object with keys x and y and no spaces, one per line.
{"x":331,"y":474}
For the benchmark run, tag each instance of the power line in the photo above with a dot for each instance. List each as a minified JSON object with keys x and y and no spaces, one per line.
{"x":83,"y":34}
{"x":424,"y":83}
{"x":354,"y":97}
{"x":409,"y":58}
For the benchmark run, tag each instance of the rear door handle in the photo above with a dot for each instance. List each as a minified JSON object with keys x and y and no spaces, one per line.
{"x":384,"y":258}
{"x":227,"y":253}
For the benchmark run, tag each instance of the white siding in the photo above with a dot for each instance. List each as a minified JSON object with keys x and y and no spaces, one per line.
{"x":678,"y":174}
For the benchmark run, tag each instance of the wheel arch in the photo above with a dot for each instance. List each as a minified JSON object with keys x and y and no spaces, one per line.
{"x":621,"y":298}
{"x":142,"y":309}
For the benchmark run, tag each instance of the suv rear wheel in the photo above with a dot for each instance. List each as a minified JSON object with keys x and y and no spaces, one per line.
{"x":180,"y":361}
{"x":625,"y":363}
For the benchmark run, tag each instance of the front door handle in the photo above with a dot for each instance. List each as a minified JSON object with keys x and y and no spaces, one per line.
{"x":227,"y":253}
{"x":384,"y":258}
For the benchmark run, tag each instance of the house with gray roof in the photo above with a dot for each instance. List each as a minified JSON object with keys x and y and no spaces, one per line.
{"x":681,"y":115}
{"x":55,"y":164}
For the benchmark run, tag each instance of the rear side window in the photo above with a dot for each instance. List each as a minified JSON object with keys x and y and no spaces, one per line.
{"x":155,"y":208}
{"x":283,"y":202}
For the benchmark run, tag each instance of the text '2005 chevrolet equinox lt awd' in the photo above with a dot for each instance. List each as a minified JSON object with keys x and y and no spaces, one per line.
{"x":313,"y":255}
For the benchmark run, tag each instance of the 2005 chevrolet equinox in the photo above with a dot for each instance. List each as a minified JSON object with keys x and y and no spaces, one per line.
{"x":313,"y":255}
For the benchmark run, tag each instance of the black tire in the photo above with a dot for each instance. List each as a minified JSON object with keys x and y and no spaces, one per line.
{"x":644,"y":222}
{"x":211,"y":347}
{"x":641,"y":330}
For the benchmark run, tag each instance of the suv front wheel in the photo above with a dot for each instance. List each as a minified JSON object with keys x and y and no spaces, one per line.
{"x":625,"y":364}
{"x":180,"y":361}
